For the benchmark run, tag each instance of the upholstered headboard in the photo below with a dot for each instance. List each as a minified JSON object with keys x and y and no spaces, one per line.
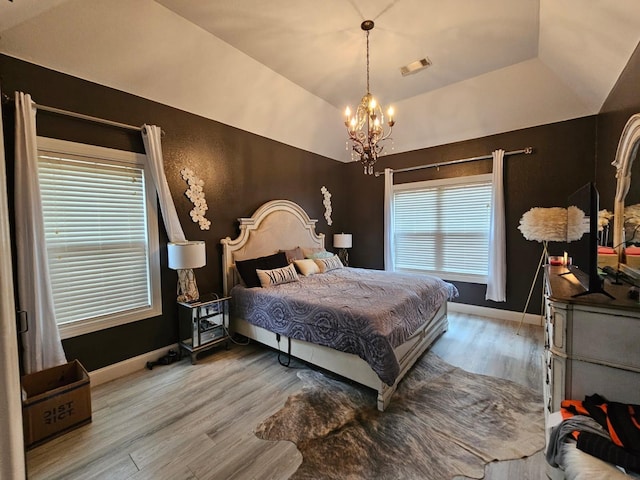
{"x":276,"y":225}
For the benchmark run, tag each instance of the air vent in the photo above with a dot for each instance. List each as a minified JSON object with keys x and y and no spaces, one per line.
{"x":414,"y":67}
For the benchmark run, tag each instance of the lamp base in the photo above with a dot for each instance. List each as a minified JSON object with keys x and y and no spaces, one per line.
{"x":343,"y":255}
{"x":187,"y":288}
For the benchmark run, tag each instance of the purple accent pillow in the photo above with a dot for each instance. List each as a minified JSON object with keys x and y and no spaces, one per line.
{"x":293,"y":254}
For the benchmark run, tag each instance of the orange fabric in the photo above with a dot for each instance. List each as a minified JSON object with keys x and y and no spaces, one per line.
{"x":577,"y":404}
{"x":632,"y":412}
{"x":614,"y":435}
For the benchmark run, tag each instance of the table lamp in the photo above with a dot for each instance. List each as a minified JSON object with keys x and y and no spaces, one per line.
{"x":184,"y":257}
{"x":342,"y":241}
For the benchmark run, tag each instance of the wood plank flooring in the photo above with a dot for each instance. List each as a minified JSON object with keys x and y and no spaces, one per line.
{"x":185,"y":421}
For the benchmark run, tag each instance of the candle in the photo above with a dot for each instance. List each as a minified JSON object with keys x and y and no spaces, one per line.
{"x":565,"y":259}
{"x":555,"y":261}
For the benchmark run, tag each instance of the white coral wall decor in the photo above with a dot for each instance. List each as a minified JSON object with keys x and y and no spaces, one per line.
{"x":327,"y":204}
{"x":195,"y":193}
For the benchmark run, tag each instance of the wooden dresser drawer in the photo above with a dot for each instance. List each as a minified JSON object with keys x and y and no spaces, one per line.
{"x":615,"y":384}
{"x":608,"y":339}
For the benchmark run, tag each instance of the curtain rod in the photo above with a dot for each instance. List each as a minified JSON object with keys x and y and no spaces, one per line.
{"x":81,"y":116}
{"x":526,"y":151}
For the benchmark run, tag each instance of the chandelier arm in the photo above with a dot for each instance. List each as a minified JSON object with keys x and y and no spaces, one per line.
{"x":387,"y":135}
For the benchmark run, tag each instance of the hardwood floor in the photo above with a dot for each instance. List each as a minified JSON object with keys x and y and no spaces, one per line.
{"x":185,"y":421}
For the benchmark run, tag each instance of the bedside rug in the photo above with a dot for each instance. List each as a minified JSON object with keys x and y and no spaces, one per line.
{"x":442,"y":422}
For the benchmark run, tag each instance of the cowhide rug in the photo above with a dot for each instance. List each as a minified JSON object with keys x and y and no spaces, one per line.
{"x":442,"y":422}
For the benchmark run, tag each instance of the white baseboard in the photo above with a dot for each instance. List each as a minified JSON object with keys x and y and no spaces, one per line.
{"x":494,"y":313}
{"x":120,"y":369}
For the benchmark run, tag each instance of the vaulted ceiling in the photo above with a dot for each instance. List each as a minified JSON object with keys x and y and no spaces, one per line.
{"x":286,"y":70}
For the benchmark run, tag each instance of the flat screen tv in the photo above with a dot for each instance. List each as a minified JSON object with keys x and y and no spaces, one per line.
{"x":584,"y":251}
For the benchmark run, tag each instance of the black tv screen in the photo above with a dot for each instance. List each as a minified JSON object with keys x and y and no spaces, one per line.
{"x":584,"y":250}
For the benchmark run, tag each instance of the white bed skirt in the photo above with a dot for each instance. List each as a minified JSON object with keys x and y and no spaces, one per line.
{"x":348,"y":365}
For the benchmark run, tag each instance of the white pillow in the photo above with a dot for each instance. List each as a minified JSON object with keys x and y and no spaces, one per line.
{"x":307,"y":267}
{"x":277,"y":276}
{"x":328,"y":264}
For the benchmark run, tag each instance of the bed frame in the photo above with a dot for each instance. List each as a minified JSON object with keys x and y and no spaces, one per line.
{"x":283,"y":225}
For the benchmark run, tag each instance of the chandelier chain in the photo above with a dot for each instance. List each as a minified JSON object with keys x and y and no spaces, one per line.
{"x":368,"y":91}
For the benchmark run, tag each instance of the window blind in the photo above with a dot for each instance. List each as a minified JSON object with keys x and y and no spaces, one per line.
{"x":95,"y":224}
{"x":443,"y":228}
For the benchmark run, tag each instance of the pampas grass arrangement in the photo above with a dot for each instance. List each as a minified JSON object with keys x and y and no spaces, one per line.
{"x":604,"y":218}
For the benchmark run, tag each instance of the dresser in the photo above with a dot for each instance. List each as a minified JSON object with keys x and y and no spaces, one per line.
{"x":592,"y":343}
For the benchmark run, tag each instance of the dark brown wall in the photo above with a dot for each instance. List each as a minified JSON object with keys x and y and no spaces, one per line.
{"x":241,"y":171}
{"x":622,"y":102}
{"x":563,"y":161}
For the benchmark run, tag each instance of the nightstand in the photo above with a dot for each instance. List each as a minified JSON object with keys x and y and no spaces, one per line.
{"x":203,"y":324}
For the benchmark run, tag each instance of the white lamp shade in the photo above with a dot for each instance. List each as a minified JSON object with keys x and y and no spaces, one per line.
{"x":342,"y":240}
{"x":187,"y":255}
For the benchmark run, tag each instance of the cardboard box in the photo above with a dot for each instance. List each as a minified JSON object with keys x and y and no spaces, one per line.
{"x":57,"y":400}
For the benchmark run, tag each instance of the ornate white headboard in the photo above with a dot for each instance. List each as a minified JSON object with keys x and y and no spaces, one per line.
{"x":276,"y":225}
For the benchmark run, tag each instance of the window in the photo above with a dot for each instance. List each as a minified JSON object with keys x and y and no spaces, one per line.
{"x":101,"y":230}
{"x":441,"y":227}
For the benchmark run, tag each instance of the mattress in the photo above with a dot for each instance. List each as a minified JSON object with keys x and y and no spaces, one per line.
{"x":357,"y":311}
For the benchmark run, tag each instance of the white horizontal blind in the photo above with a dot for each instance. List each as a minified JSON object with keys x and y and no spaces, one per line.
{"x":95,"y":223}
{"x":442,"y":227}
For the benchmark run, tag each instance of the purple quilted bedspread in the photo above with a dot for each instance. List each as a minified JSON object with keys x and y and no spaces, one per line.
{"x":359,"y":311}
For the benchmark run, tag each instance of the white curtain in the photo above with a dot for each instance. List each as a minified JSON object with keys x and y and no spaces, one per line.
{"x":42,"y":345}
{"x":389,"y":260}
{"x":497,"y":282}
{"x":11,"y":440}
{"x":151,"y":135}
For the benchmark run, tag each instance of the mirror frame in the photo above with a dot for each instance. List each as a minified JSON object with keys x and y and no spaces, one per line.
{"x":625,"y":155}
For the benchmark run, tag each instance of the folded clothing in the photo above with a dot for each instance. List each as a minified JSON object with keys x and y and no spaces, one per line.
{"x":622,"y":423}
{"x":606,"y":250}
{"x":600,"y":447}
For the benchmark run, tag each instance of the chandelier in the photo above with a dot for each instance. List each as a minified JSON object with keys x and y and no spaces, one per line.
{"x":366,"y":125}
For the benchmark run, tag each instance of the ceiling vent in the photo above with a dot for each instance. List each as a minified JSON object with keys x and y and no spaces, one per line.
{"x":414,"y":67}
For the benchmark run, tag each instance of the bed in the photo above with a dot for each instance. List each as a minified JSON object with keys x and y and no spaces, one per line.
{"x":283,"y":225}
